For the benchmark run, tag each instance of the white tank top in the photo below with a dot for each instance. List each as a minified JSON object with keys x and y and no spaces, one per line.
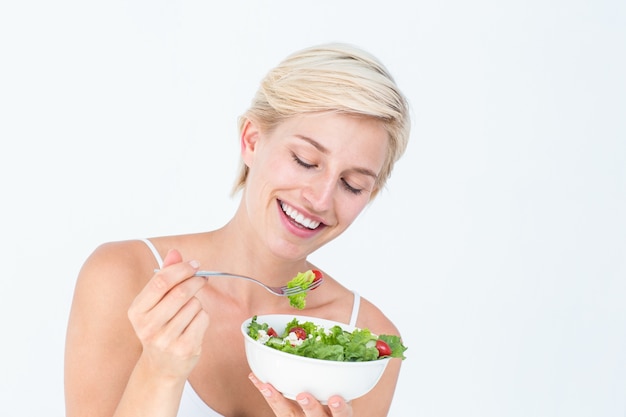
{"x":191,"y":405}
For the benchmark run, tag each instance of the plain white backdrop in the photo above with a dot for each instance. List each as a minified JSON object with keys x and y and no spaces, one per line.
{"x":498,"y":247}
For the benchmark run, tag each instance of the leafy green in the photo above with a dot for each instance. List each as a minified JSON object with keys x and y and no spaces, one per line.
{"x":395,"y":343}
{"x":332,"y":343}
{"x":302,"y":280}
{"x":254,"y":327}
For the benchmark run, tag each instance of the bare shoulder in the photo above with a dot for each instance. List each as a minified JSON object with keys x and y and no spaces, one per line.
{"x":108,"y":281}
{"x":373,"y":318}
{"x":119,"y":266}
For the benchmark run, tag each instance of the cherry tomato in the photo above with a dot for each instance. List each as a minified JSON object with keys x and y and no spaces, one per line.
{"x":383,"y":348}
{"x":318,"y":276}
{"x":299,"y":331}
{"x":271,"y":332}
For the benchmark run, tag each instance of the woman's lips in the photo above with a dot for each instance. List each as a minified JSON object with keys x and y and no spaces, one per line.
{"x":298,"y":218}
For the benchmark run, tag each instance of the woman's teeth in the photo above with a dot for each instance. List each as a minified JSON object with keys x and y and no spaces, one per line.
{"x":299,"y":218}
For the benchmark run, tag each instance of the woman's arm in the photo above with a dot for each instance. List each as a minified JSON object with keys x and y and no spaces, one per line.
{"x":131,"y":341}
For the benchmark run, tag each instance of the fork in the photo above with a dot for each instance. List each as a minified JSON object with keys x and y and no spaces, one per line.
{"x":283,"y":291}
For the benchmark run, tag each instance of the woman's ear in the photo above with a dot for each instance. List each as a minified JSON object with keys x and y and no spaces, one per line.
{"x":249,"y":139}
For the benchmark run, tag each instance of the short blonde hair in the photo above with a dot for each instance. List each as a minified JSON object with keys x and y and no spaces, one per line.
{"x":332,"y":78}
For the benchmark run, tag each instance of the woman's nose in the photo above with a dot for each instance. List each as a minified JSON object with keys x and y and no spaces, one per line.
{"x":319,"y":192}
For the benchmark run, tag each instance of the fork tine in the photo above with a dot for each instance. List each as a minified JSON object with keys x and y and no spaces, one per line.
{"x":315,"y":284}
{"x":291,"y":291}
{"x":298,"y":290}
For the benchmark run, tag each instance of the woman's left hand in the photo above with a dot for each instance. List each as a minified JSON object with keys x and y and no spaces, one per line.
{"x":306,"y":404}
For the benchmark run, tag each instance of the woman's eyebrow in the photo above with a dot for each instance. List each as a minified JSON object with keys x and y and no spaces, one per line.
{"x":313,"y":142}
{"x":324,"y":150}
{"x":367,"y":172}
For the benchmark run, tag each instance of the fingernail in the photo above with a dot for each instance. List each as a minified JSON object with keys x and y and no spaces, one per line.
{"x":303,"y":401}
{"x":266,"y":392}
{"x":334,"y":404}
{"x":194,"y":264}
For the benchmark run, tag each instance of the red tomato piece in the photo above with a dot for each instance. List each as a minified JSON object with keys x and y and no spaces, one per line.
{"x":299,"y":331}
{"x":318,"y":276}
{"x":271,"y":332}
{"x":383,"y":348}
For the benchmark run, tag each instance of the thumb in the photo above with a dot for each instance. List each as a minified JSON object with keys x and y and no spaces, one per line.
{"x":172,"y":257}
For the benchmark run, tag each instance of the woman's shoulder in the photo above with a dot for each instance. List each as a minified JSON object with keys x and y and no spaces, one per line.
{"x":131,"y":261}
{"x":373,"y":318}
{"x":118,"y":256}
{"x":121,"y":265}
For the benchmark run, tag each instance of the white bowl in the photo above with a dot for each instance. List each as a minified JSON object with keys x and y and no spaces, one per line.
{"x":292,"y":374}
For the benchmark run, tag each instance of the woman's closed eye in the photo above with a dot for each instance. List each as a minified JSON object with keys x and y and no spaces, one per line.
{"x":350,"y":188}
{"x":303,"y":163}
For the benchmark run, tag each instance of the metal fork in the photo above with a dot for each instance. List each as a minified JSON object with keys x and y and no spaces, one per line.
{"x":283,"y":291}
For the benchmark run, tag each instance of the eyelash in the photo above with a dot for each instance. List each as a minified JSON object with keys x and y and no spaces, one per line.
{"x":302,"y":163}
{"x":350,"y":189}
{"x":345,"y":184}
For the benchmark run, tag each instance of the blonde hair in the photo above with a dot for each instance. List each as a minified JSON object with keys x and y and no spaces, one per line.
{"x":331,"y":78}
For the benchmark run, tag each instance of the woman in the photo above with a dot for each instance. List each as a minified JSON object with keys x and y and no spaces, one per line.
{"x":317,"y":144}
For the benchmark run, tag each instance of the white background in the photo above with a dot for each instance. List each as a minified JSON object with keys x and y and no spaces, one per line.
{"x":498,"y":247}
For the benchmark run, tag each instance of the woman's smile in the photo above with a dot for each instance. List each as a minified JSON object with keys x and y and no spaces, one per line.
{"x":297,"y":223}
{"x":298,"y":218}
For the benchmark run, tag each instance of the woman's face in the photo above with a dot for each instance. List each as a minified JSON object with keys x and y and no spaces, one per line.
{"x":310,"y":177}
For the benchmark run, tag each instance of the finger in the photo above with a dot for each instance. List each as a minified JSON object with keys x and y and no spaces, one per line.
{"x":170,"y":309}
{"x":277,"y":402}
{"x":312,"y":407}
{"x":184,"y":333}
{"x":173,"y":257}
{"x":175,"y":328}
{"x":194,"y":332}
{"x":162,"y":282}
{"x":339,"y":407}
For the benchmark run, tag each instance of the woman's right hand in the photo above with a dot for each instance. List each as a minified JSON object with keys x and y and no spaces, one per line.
{"x":169,"y":320}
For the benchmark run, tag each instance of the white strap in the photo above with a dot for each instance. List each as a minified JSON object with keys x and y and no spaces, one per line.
{"x":155,"y":252}
{"x":355,"y":309}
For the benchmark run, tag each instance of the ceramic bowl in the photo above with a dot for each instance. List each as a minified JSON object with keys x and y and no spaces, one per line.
{"x":292,"y":374}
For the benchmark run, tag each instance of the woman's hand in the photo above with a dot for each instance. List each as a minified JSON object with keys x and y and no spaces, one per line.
{"x":306,"y":405}
{"x":169,"y":320}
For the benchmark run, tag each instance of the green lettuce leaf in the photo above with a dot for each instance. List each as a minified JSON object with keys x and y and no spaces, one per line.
{"x":302,"y":280}
{"x":332,"y":343}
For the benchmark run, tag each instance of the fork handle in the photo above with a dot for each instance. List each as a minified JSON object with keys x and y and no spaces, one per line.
{"x":217,"y":274}
{"x":210,"y":274}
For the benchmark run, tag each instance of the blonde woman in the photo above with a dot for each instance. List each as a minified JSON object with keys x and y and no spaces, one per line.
{"x":317,"y":144}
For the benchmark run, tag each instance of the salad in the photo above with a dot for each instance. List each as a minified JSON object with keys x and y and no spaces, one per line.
{"x":304,"y":281}
{"x":305,"y":338}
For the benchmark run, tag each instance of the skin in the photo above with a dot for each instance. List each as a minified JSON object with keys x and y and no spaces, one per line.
{"x":134,"y":337}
